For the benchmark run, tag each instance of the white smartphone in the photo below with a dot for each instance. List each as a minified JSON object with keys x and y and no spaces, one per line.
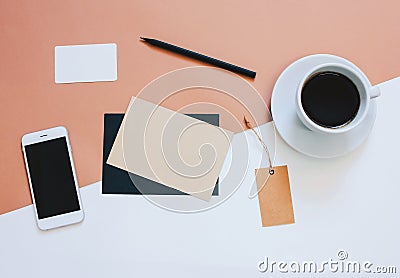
{"x":52,"y":178}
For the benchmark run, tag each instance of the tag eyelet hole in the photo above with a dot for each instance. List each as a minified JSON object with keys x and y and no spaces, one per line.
{"x":271,"y":172}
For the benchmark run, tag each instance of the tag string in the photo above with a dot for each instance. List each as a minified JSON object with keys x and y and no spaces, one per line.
{"x":270,"y":171}
{"x":249,"y":125}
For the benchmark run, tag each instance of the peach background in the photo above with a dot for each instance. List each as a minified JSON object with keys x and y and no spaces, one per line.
{"x":261,"y":35}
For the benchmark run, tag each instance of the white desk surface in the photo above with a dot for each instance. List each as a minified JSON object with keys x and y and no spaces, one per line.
{"x":350,"y":203}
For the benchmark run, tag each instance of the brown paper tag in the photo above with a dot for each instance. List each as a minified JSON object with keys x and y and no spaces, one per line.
{"x":274,"y":197}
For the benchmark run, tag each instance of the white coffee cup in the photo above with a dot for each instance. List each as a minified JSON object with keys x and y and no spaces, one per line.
{"x":365,"y":90}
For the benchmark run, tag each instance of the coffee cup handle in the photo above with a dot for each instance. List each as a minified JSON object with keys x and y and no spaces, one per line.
{"x":374,"y":92}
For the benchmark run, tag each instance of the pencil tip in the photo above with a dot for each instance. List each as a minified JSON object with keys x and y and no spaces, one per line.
{"x":142,"y":38}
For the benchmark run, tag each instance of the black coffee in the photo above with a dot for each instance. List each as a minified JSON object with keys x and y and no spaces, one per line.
{"x":330,"y":99}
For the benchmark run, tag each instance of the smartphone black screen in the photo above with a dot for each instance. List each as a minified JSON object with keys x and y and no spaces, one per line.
{"x":52,"y":178}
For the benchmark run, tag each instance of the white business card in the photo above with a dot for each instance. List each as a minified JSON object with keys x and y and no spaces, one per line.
{"x":86,"y":63}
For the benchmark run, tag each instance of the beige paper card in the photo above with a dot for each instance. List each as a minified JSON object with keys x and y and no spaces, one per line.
{"x":170,"y":148}
{"x":274,"y":197}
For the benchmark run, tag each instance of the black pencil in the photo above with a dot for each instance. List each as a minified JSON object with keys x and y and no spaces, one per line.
{"x":200,"y":57}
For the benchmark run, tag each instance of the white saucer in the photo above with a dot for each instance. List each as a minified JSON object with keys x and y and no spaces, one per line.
{"x":289,"y":126}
